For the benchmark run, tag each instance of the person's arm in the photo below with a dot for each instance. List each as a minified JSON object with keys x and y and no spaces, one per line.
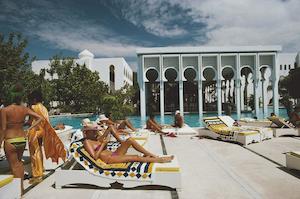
{"x":89,"y":147}
{"x":3,"y":126}
{"x":36,"y":116}
{"x":3,"y":120}
{"x":114,"y":132}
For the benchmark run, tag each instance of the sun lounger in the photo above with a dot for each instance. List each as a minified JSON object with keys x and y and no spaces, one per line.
{"x":282,"y":127}
{"x":185,"y":130}
{"x":219,"y":130}
{"x":265,"y":132}
{"x":10,"y":187}
{"x":293,"y":160}
{"x":133,"y":174}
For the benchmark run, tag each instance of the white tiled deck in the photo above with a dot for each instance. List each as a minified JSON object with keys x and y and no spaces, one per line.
{"x":210,"y":169}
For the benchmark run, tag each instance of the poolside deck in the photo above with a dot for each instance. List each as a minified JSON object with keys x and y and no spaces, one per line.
{"x":210,"y":169}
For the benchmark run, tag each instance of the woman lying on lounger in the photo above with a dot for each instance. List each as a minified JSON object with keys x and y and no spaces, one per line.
{"x":96,"y":147}
{"x":121,"y":125}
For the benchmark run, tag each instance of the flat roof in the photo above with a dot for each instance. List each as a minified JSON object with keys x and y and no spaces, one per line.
{"x":208,"y":49}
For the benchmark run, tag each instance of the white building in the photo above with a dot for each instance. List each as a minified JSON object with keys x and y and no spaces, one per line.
{"x":207,"y":78}
{"x":115,"y":72}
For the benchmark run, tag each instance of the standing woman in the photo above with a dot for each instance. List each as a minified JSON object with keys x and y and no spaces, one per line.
{"x":12,"y":121}
{"x":43,"y":135}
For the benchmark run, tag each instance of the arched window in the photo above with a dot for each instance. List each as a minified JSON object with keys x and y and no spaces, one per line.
{"x":112,"y":77}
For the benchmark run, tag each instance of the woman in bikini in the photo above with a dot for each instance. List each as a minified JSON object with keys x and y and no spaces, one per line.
{"x":96,"y":147}
{"x":13,"y":119}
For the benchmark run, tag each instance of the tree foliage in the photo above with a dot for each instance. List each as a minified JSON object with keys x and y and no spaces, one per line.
{"x":15,"y":66}
{"x":119,"y":102}
{"x":288,"y":89}
{"x":290,"y":82}
{"x":75,"y":87}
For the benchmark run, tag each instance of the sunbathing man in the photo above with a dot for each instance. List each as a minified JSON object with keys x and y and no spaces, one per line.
{"x":178,"y":120}
{"x":295,"y":117}
{"x":96,"y":147}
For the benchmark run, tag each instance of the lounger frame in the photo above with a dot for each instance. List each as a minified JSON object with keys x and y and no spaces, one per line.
{"x":292,"y":161}
{"x":64,"y":177}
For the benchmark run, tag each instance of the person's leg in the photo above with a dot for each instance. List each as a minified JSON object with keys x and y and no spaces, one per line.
{"x":136,"y":158}
{"x":126,"y":123}
{"x":157,"y":129}
{"x":14,"y":158}
{"x":122,"y":150}
{"x":36,"y":155}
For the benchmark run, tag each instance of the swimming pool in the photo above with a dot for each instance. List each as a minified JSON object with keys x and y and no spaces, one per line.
{"x":190,"y":119}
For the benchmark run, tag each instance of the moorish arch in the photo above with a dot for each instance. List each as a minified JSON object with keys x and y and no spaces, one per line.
{"x":247,"y":88}
{"x":171,"y":86}
{"x":190,"y":89}
{"x":152,"y":86}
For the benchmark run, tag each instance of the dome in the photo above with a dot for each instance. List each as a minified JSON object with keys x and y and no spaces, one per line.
{"x":85,"y":53}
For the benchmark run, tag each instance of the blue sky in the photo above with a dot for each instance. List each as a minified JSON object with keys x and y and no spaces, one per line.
{"x":114,"y":28}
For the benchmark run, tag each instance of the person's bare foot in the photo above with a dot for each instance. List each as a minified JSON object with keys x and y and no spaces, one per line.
{"x":166,"y":159}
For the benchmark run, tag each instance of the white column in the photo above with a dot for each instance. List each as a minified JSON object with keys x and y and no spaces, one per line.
{"x":238,"y":87}
{"x":275,"y":80}
{"x":219,"y":93}
{"x":161,"y":91}
{"x":255,"y":84}
{"x":243,"y":79}
{"x":180,"y":86}
{"x":264,"y":84}
{"x":142,"y":88}
{"x":200,"y":101}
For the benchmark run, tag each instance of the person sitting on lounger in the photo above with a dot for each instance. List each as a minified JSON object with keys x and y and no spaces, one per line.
{"x":121,"y":125}
{"x":178,"y":120}
{"x":96,"y":147}
{"x":295,"y":117}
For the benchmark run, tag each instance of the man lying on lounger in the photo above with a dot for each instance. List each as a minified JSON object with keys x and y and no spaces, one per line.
{"x":96,"y":147}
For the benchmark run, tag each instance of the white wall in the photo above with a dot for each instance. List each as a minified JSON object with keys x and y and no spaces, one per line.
{"x":286,"y":62}
{"x":123,"y":72}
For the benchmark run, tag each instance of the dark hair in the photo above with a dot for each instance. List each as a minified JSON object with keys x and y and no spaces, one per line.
{"x":35,"y":96}
{"x":17,"y":93}
{"x":272,"y":114}
{"x":108,"y":114}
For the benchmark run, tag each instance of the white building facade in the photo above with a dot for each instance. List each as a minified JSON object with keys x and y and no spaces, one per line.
{"x":115,"y":72}
{"x":204,"y":79}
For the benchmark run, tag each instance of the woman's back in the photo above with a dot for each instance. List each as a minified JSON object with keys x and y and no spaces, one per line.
{"x":13,"y":117}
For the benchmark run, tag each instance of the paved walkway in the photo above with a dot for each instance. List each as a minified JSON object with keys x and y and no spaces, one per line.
{"x":210,"y":169}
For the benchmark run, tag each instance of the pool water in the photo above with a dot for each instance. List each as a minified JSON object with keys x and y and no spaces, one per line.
{"x":190,"y":119}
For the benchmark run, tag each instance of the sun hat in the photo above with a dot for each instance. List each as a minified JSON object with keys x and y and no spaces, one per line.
{"x":102,"y":117}
{"x":176,"y":112}
{"x":92,"y":127}
{"x":86,"y":122}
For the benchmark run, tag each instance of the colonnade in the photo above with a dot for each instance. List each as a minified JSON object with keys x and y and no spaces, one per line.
{"x":211,"y":66}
